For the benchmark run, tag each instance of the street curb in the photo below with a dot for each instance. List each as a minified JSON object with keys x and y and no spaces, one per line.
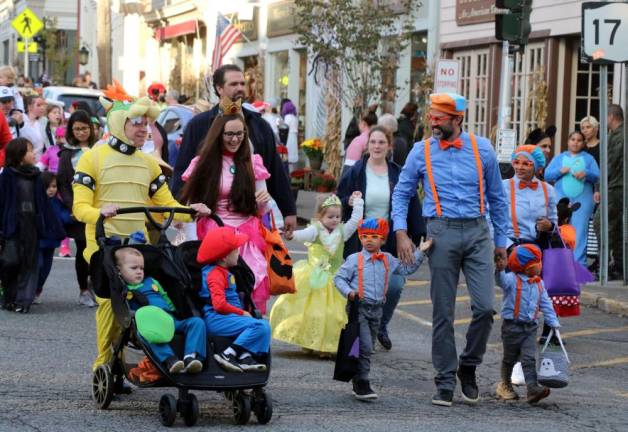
{"x":610,"y":306}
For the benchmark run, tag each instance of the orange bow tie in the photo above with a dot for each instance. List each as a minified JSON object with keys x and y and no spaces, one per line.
{"x":378,"y":256}
{"x":457,"y":143}
{"x":532,"y":185}
{"x":534,"y":279}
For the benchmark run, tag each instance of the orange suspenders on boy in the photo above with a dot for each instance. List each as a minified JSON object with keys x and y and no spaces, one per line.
{"x":515,"y":313}
{"x":361,"y":273}
{"x":513,"y":204}
{"x":430,"y":176}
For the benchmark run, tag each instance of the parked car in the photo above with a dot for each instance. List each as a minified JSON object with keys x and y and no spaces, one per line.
{"x":174,"y":119}
{"x":67,"y":95}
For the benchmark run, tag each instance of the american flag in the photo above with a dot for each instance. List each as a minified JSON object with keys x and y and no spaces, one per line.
{"x":226,"y":36}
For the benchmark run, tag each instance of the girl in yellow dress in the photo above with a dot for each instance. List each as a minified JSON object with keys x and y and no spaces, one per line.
{"x":314,"y":316}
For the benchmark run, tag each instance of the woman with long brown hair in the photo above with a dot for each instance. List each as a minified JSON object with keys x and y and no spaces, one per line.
{"x":230,"y":180}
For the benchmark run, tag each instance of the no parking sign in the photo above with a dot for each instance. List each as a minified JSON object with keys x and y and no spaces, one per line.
{"x":447,"y":76}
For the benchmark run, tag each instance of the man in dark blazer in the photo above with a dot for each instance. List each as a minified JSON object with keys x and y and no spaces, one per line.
{"x":228,"y":80}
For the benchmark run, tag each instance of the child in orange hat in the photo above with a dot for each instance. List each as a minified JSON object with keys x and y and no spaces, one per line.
{"x":223,"y":312}
{"x":524,"y":297}
{"x":364,"y":277}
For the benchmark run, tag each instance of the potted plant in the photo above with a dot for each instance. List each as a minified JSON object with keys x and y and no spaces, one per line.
{"x":318,"y":183}
{"x":329,"y":182}
{"x":313,"y":149}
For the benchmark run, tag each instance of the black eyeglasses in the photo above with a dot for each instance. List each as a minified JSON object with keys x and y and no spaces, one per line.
{"x":230,"y":135}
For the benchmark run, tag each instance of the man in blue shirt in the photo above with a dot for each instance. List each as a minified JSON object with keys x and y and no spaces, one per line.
{"x":461,"y":179}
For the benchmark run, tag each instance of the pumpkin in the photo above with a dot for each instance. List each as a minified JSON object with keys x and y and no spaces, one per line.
{"x":280,"y":277}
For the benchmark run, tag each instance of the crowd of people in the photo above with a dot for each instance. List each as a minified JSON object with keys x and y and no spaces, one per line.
{"x":489,"y":222}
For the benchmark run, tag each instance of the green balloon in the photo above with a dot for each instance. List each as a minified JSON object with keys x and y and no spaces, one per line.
{"x":154,"y":324}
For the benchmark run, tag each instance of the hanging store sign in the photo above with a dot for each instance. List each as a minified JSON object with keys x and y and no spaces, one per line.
{"x":248,"y":27}
{"x":281,"y":18}
{"x":474,"y":11}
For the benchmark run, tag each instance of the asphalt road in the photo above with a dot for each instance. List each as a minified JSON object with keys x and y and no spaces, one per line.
{"x":45,"y":377}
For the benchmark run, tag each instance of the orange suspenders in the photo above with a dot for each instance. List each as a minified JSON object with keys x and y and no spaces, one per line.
{"x":361,"y":273}
{"x":515,"y":313}
{"x":513,"y":205}
{"x":430,"y":176}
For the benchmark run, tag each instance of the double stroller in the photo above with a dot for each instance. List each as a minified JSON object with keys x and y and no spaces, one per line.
{"x":175,"y":267}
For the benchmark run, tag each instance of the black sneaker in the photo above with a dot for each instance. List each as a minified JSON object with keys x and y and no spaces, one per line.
{"x":385,"y":341}
{"x":21,"y":309}
{"x":228,"y":362}
{"x":443,"y":398}
{"x":468,"y":385}
{"x":174,"y":365}
{"x":362,"y":390}
{"x":249,"y":364}
{"x":192,"y":365}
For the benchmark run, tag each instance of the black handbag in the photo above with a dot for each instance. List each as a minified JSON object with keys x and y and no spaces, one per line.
{"x":10,"y":256}
{"x":348,"y":347}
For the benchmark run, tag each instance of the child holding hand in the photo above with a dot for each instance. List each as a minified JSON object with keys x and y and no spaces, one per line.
{"x":313,"y":317}
{"x":364,"y":277}
{"x":524,"y":297}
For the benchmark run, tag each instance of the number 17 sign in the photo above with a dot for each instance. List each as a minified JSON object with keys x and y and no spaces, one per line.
{"x":605,"y":32}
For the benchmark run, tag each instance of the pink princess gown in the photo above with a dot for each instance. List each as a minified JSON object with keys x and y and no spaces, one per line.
{"x":252,"y":251}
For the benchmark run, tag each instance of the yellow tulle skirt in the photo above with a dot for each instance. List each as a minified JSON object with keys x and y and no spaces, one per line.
{"x":312,"y":317}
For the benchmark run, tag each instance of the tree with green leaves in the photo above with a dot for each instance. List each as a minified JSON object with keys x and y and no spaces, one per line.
{"x":357,"y":44}
{"x":59,"y":55}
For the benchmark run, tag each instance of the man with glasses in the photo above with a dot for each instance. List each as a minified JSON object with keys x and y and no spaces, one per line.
{"x":113,"y":176}
{"x":228,"y":81}
{"x":462,"y":182}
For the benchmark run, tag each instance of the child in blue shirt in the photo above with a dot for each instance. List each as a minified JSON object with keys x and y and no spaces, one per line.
{"x":524,"y":297}
{"x":142,"y":292}
{"x":364,"y":277}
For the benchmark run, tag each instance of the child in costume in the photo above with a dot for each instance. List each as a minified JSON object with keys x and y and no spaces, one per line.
{"x":364,"y":277}
{"x":223,"y":312}
{"x":314,"y":316}
{"x":143,"y":292}
{"x":114,"y":175}
{"x":524,"y":297}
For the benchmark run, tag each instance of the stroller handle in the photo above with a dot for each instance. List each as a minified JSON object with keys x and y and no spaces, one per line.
{"x":100,"y":224}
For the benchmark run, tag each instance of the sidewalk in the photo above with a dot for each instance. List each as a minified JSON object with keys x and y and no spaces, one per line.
{"x":612,"y":299}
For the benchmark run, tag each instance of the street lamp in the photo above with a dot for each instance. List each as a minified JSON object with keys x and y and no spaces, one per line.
{"x":83,"y":56}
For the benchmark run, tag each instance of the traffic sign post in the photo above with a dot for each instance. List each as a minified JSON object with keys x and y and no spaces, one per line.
{"x":27,"y":25}
{"x":604,"y":40}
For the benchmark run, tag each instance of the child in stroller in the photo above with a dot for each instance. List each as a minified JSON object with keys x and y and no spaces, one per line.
{"x":179,"y":274}
{"x":143,"y":292}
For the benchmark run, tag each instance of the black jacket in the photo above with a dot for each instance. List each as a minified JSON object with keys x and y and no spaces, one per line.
{"x":354,"y":179}
{"x":263,"y":139}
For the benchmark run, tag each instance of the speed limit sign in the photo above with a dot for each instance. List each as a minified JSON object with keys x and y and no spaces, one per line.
{"x":605,"y":32}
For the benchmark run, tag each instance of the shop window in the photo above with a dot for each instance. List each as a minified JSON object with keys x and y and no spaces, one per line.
{"x":474,"y":87}
{"x":418,"y":65}
{"x":281,"y":73}
{"x":254,"y":78}
{"x":523,"y":114}
{"x":585,"y":89}
{"x":302,"y":91}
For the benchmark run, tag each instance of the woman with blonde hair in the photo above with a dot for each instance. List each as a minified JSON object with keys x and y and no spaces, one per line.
{"x":590,"y":127}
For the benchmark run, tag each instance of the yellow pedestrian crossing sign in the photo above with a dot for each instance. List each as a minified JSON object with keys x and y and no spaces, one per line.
{"x":27,"y":24}
{"x":32,"y":47}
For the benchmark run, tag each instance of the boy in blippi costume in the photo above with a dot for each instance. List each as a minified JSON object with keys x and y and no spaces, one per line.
{"x":364,"y":277}
{"x":223,"y":312}
{"x":142,"y":292}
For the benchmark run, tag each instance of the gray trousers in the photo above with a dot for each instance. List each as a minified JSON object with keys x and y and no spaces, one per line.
{"x":369,"y":317}
{"x":519,"y":341}
{"x":459,"y":244}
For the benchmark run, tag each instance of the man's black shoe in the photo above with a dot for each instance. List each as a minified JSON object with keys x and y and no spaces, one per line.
{"x":443,"y":398}
{"x":470,"y":392}
{"x":385,"y":341}
{"x":362,"y":390}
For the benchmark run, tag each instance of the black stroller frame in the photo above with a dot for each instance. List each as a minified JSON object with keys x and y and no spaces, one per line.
{"x":176,"y":268}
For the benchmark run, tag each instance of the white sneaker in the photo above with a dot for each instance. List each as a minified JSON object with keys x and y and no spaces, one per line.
{"x":517,"y":378}
{"x":86,"y":300}
{"x":37,"y":299}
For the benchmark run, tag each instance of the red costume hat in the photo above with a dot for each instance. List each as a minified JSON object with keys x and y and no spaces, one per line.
{"x":524,"y":256}
{"x":373,"y":226}
{"x":219,"y":243}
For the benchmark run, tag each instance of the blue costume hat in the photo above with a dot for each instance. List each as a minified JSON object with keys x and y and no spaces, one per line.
{"x":532,"y":153}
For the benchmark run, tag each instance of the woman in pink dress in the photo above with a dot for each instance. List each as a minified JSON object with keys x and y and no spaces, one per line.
{"x":231,"y":181}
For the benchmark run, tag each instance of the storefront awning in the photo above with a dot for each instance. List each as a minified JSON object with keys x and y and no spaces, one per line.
{"x":176,"y":30}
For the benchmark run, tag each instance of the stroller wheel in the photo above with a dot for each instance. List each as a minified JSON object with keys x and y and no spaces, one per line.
{"x":167,"y":409}
{"x":262,"y":406}
{"x":241,"y":408}
{"x":190,"y":410}
{"x":102,"y":386}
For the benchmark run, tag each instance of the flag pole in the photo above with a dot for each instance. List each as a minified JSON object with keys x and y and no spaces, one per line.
{"x":241,"y":33}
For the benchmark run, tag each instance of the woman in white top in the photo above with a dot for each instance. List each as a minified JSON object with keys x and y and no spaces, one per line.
{"x":289,"y":116}
{"x":375,"y":176}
